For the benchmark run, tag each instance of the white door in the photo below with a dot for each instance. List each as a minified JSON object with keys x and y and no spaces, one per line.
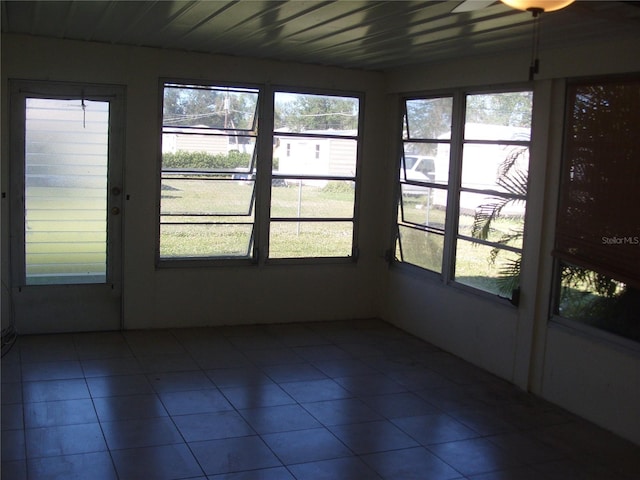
{"x":66,"y":210}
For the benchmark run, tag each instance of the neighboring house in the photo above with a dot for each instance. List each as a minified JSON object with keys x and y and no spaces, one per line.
{"x":202,"y":139}
{"x":317,"y":155}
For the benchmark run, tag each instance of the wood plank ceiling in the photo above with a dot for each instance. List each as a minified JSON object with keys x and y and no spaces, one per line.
{"x":372,"y":35}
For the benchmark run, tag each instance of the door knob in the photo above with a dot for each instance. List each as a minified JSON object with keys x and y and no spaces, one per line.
{"x":115,"y":211}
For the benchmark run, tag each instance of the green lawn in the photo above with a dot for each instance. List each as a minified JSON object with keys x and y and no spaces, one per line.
{"x":225,"y":224}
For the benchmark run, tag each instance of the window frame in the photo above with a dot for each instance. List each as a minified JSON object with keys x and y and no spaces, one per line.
{"x":402,"y":180}
{"x":584,"y":325}
{"x":22,"y":90}
{"x":453,"y":187}
{"x":354,"y":219}
{"x":264,"y":177}
{"x":221,"y":260}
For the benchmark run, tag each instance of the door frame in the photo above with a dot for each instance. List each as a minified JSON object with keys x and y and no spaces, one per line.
{"x":72,"y":307}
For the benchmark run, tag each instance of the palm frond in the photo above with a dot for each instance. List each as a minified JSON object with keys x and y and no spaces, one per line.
{"x":504,"y":169}
{"x":485,"y":215}
{"x":574,"y":277}
{"x":509,"y":276}
{"x":513,"y":179}
{"x":505,"y":239}
{"x":514,"y":183}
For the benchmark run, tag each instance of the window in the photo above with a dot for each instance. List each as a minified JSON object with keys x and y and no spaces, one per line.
{"x":463,"y":186}
{"x":597,"y":232}
{"x":493,"y":191}
{"x":313,"y":196}
{"x":208,"y":174}
{"x":595,"y":299}
{"x":424,"y":178}
{"x":597,"y":225}
{"x":65,"y":196}
{"x":227,"y":190}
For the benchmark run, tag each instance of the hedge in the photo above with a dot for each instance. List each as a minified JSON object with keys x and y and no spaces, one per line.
{"x":204,"y":160}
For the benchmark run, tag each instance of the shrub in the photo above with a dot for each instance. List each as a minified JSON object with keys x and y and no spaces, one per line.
{"x":334,"y":186}
{"x":205,"y":160}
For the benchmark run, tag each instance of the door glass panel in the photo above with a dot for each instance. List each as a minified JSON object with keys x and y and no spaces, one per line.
{"x":66,"y":157}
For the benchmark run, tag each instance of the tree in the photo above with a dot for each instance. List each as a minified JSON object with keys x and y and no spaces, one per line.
{"x":209,"y":107}
{"x":316,"y":112}
{"x":510,"y":108}
{"x":428,"y":118}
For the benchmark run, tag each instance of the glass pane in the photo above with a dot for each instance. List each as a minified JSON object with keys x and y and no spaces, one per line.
{"x":429,"y":118}
{"x":599,"y":301}
{"x":209,"y":107}
{"x":423,"y":167}
{"x":310,"y":239}
{"x":201,"y":240}
{"x":66,"y":160}
{"x":190,"y":151}
{"x":495,"y":167}
{"x":424,"y":206}
{"x":298,"y":198}
{"x":207,"y":195}
{"x":492,"y":218}
{"x":421,"y":248}
{"x":322,"y":114}
{"x":499,"y":116}
{"x":492,"y":270}
{"x":315,"y":156}
{"x":315,"y":139}
{"x":208,"y":171}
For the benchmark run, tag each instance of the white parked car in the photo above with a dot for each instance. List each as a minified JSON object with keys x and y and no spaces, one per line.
{"x":418,"y":168}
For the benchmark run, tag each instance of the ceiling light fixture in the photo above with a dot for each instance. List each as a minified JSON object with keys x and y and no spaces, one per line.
{"x":536,"y":7}
{"x":539,"y":5}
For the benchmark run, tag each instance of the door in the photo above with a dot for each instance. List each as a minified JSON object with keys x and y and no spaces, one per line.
{"x":66,"y":184}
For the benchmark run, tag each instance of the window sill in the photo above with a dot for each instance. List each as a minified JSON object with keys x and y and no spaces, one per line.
{"x":434,"y":277}
{"x":203,"y":262}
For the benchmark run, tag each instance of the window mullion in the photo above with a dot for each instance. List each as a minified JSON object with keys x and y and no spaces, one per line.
{"x":455,"y":178}
{"x":264,"y":164}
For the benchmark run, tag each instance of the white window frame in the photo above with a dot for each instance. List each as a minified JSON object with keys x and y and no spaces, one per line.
{"x":264,"y":178}
{"x":453,"y":187}
{"x":252,"y":252}
{"x":354,"y":177}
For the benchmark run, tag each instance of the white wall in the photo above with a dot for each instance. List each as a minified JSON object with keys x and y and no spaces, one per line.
{"x":595,"y":379}
{"x":476,"y":329}
{"x":582,"y":372}
{"x":171,"y":297}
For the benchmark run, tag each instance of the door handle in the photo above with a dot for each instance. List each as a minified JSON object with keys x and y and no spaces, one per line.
{"x":115,"y":211}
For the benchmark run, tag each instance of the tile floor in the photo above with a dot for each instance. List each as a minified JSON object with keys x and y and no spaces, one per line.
{"x":336,"y":400}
